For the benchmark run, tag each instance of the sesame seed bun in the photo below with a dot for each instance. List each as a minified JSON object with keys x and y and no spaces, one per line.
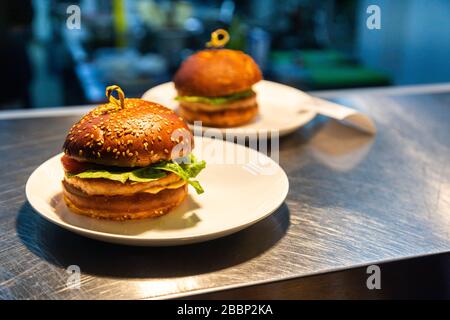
{"x":123,"y":207}
{"x":215,"y":73}
{"x":138,"y":134}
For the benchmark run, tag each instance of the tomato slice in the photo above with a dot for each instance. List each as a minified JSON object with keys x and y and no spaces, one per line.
{"x":73,"y":166}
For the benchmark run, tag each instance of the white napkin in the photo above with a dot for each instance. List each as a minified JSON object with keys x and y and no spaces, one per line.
{"x":346,"y":115}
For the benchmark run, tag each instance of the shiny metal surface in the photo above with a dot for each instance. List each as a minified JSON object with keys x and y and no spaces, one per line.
{"x":353,"y":200}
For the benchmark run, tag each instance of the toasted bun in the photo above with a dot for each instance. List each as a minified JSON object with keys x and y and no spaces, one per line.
{"x":223,"y":119}
{"x":136,"y":206}
{"x":217,"y":72}
{"x":139,"y":134}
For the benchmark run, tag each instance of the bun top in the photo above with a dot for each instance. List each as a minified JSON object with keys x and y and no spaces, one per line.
{"x":131,"y":133}
{"x":215,"y":73}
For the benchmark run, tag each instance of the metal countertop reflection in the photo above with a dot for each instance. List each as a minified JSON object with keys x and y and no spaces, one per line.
{"x":354,"y":200}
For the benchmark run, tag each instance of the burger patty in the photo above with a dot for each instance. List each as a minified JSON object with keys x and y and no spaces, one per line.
{"x":207,"y":107}
{"x":222,"y":119}
{"x":107,"y":187}
{"x":136,"y":206}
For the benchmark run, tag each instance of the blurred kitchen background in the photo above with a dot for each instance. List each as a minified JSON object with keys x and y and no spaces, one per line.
{"x":311,"y":45}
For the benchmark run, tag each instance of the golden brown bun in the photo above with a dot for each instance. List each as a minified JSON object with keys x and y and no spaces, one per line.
{"x":138,"y":135}
{"x":137,"y":206}
{"x":217,"y":72}
{"x":221,"y":119}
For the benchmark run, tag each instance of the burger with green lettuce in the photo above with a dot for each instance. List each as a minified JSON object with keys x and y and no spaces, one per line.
{"x":215,"y":86}
{"x":128,"y":159}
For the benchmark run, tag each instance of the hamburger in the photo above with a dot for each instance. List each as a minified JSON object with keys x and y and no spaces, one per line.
{"x":128,"y":159}
{"x":215,"y":86}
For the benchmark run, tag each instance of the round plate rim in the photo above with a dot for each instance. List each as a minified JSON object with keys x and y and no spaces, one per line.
{"x":136,"y":241}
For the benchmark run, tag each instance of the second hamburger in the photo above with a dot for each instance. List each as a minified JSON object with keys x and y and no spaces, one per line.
{"x":215,"y":86}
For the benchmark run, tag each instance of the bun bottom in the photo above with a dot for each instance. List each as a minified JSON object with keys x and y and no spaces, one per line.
{"x":222,"y":119}
{"x":129,"y":207}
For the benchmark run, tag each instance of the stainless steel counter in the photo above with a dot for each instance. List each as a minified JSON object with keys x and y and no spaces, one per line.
{"x":354,"y":200}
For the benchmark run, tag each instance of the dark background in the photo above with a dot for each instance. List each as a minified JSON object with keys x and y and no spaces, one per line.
{"x":137,"y":44}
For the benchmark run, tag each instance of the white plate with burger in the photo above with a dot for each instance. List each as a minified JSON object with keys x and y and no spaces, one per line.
{"x":224,"y":89}
{"x":125,"y":177}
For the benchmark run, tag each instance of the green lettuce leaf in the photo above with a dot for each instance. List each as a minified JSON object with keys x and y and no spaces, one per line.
{"x":216,"y":100}
{"x":193,"y":166}
{"x":146,"y":174}
{"x":94,"y":174}
{"x":186,"y":168}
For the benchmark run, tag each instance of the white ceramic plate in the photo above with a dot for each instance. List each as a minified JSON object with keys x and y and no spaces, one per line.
{"x":236,"y":196}
{"x":281,"y":107}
